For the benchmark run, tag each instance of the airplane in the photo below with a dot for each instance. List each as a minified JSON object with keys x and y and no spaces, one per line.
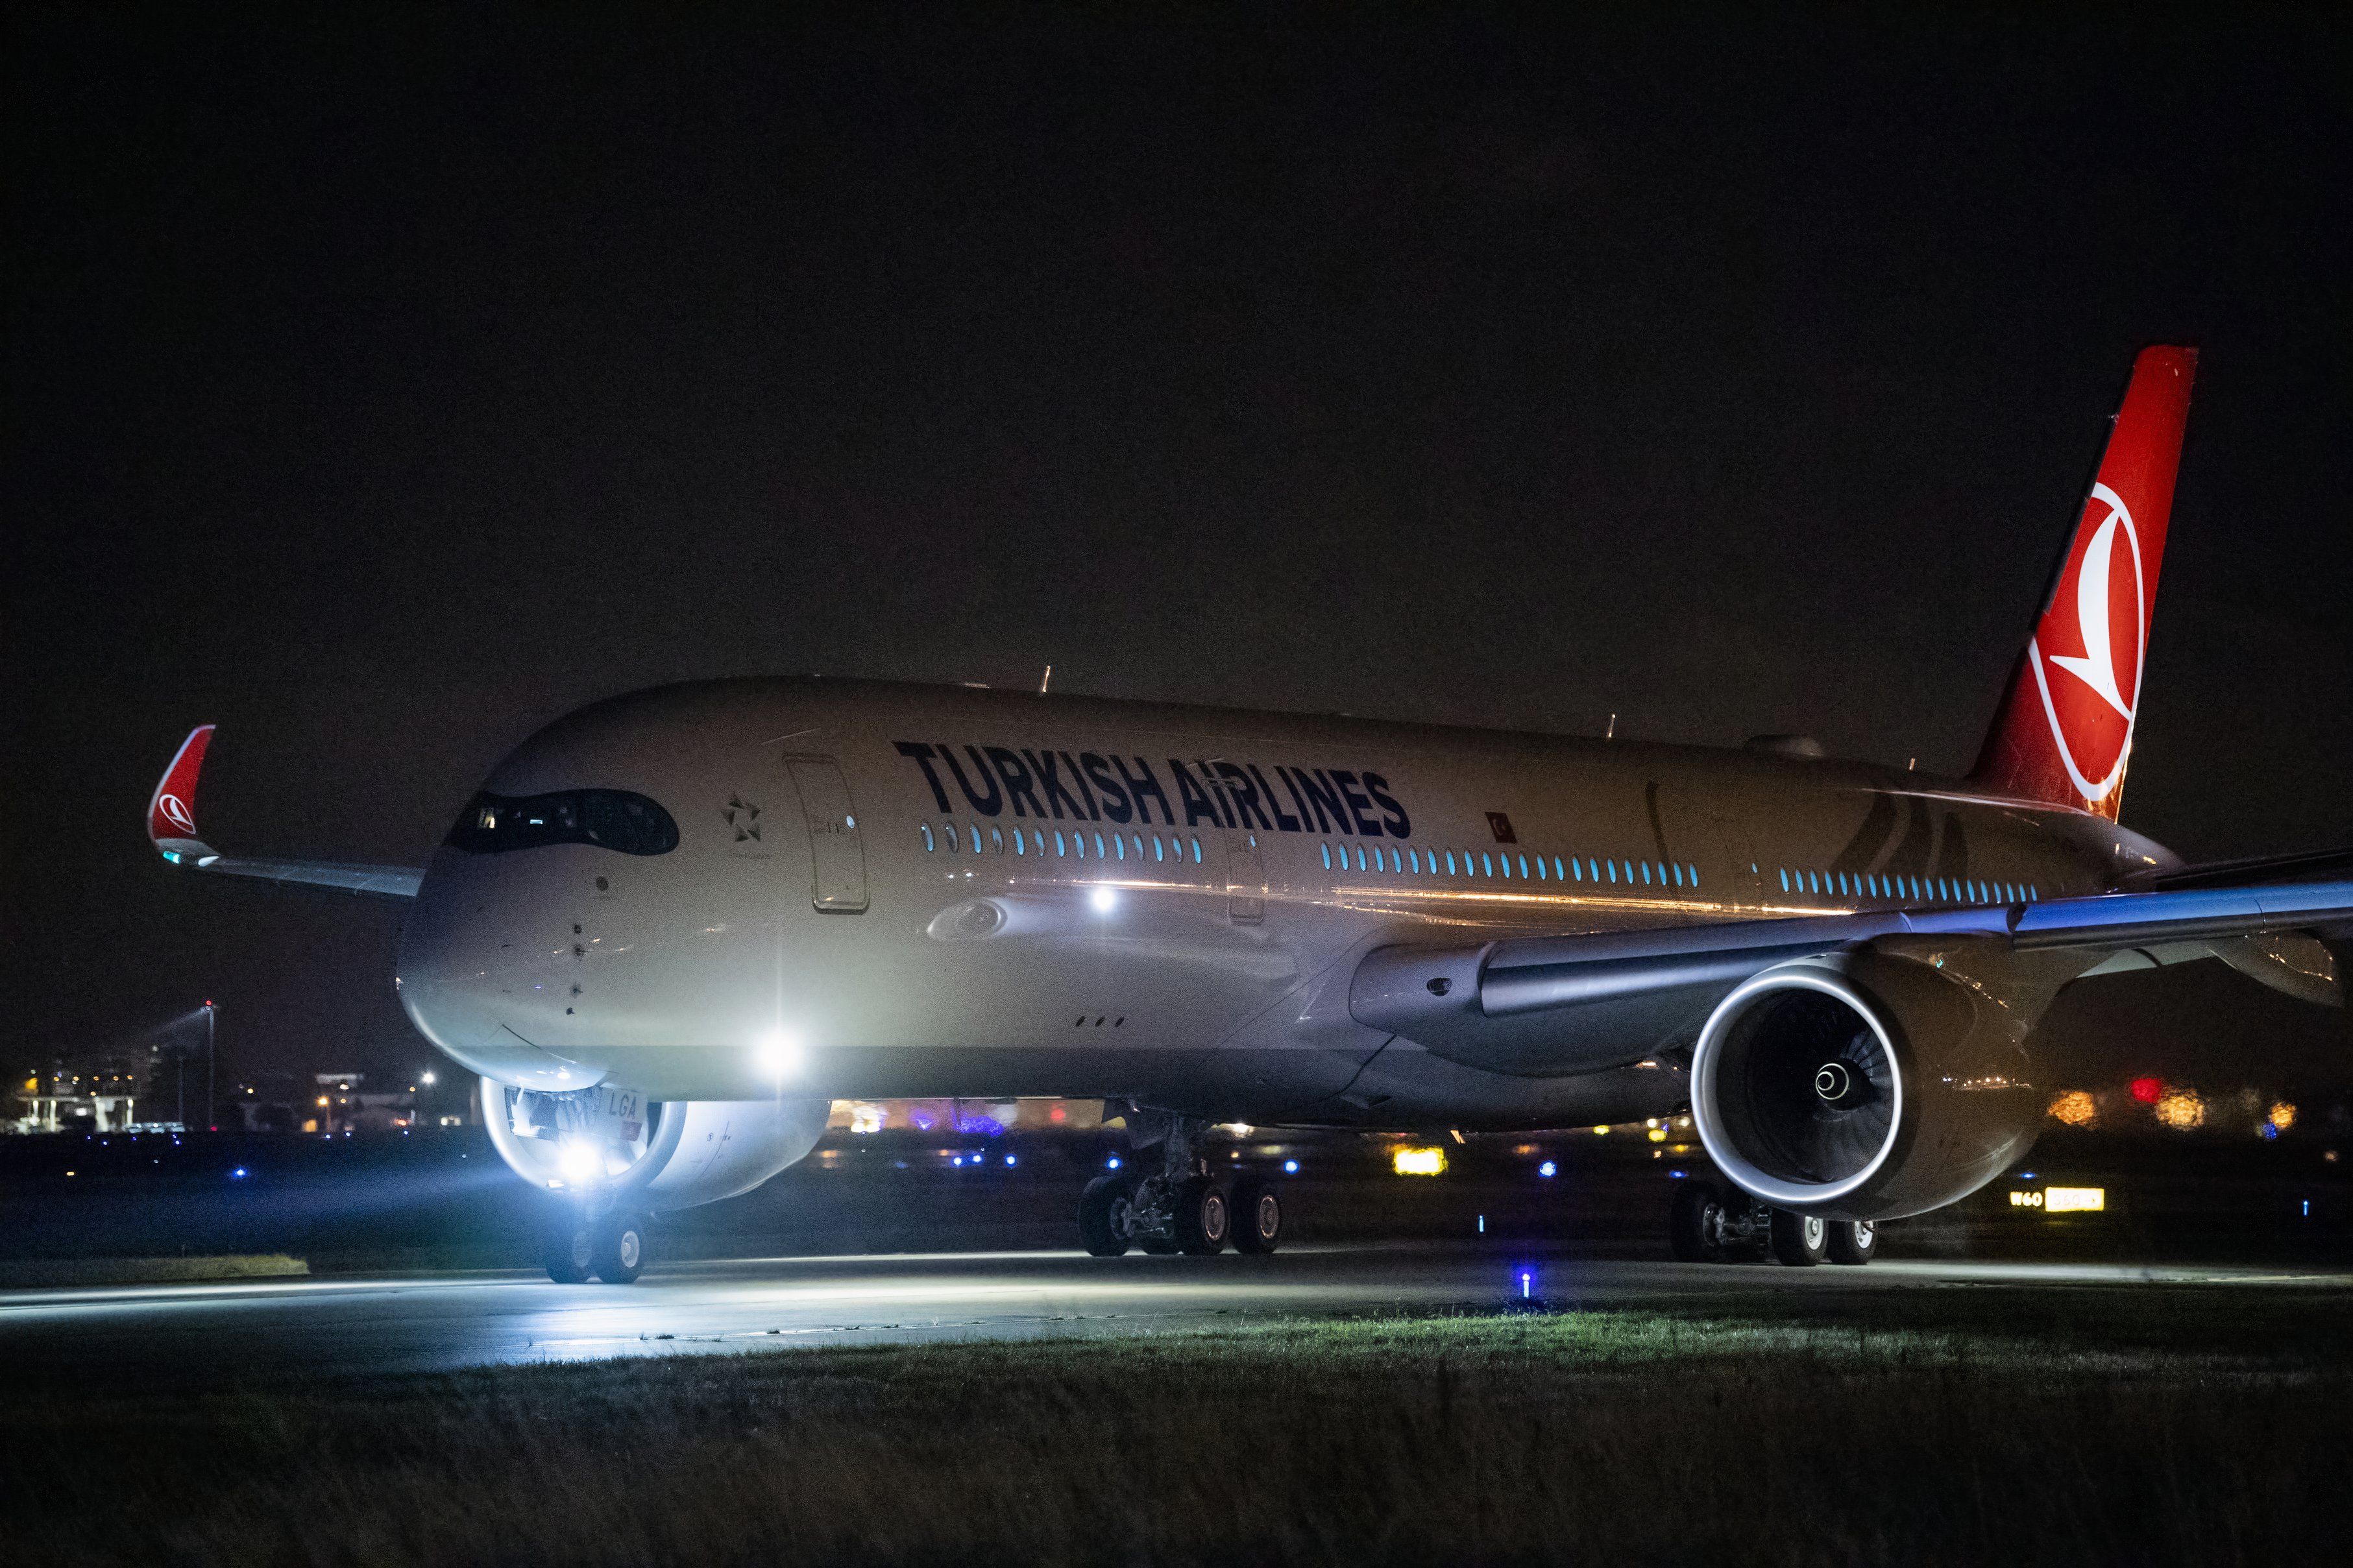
{"x":673,"y":926}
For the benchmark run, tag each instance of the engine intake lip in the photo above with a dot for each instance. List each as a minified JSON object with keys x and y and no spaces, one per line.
{"x":1709,"y":1064}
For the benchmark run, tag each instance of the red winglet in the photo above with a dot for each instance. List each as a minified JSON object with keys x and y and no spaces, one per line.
{"x":172,"y":814}
{"x":2063,"y":732}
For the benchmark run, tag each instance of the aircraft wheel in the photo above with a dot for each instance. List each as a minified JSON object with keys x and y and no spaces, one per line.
{"x":571,"y":1254}
{"x":1799,"y":1240}
{"x":620,"y":1249}
{"x":1203,"y":1218}
{"x":1854,"y":1241}
{"x":1695,"y":1223}
{"x":1102,"y":1216}
{"x":1256,"y":1210}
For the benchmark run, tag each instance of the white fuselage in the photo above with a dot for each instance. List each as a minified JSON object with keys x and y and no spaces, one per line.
{"x":845,"y":913}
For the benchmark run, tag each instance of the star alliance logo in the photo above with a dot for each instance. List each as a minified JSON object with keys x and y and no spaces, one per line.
{"x":743,"y":817}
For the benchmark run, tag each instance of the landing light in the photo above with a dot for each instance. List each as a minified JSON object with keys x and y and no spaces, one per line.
{"x":1548,"y":1169}
{"x":779,"y":1054}
{"x":581,"y":1163}
{"x":1290,"y":1167}
{"x":1104,"y":900}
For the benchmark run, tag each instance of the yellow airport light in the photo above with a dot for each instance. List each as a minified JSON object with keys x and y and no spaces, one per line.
{"x":1422,"y":1162}
{"x":2060,"y":1200}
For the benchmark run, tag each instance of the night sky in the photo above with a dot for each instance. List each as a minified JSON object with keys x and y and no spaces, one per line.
{"x":381,"y":391}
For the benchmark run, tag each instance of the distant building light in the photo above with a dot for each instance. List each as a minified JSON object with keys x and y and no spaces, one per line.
{"x":1421,"y":1162}
{"x":2148,"y":1090}
{"x":2181,"y":1109}
{"x":2283,"y":1115}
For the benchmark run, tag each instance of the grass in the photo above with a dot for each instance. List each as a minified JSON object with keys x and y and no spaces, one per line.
{"x":2164,"y":1426}
{"x":79,"y":1272}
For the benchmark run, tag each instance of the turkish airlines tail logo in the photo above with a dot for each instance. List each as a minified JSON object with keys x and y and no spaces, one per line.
{"x":172,"y":814}
{"x":2063,"y":732}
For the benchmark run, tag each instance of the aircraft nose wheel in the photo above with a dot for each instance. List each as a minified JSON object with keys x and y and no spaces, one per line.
{"x":620,"y":1249}
{"x":571,"y":1250}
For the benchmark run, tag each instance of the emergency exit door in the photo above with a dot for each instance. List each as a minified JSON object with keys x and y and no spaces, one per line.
{"x":837,"y":853}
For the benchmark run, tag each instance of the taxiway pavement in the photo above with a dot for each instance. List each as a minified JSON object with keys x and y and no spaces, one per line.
{"x":243,"y":1334}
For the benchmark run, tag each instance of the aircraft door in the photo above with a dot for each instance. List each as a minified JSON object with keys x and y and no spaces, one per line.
{"x":1245,"y":879}
{"x":834,"y":846}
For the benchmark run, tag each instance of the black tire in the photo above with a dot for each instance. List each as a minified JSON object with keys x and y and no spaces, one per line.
{"x":1204,"y":1218}
{"x":1102,"y":1216}
{"x":1257,"y":1210}
{"x":1799,"y":1240}
{"x":571,"y":1251}
{"x":1691,"y":1223}
{"x":1853,"y":1242}
{"x":620,"y":1249}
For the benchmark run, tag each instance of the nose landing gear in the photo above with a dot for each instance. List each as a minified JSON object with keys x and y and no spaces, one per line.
{"x":610,"y":1246}
{"x":1182,"y":1207}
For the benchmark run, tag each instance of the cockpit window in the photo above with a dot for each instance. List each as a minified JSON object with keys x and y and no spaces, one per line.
{"x":607,"y":819}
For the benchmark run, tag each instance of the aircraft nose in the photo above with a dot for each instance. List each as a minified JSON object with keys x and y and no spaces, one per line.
{"x":485,"y":991}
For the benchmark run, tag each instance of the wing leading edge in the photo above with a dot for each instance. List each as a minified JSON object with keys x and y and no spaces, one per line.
{"x":172,"y":828}
{"x":1505,"y":1005}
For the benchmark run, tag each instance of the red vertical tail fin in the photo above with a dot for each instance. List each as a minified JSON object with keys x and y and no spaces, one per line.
{"x":2063,"y":732}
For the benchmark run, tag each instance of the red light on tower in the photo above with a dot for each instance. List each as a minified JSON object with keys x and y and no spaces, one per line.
{"x":2148,"y":1090}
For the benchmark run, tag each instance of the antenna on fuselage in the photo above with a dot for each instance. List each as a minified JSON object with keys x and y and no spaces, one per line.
{"x":1049,"y":681}
{"x":1612,"y":733}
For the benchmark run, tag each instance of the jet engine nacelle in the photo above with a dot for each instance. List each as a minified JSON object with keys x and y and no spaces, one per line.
{"x":1862,"y":1086}
{"x":673,"y":1155}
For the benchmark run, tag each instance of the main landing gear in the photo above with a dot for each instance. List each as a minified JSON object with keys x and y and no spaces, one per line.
{"x":1708,"y":1225}
{"x":610,"y":1246}
{"x":1181,"y":1207}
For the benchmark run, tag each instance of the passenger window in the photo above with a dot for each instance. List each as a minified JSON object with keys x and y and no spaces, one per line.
{"x":1694,"y":869}
{"x":995,"y":837}
{"x":1099,"y":845}
{"x":1118,"y":847}
{"x":1156,"y":855}
{"x":1327,"y":855}
{"x":928,"y":845}
{"x":1058,"y":845}
{"x":1019,"y":846}
{"x":1449,"y":862}
{"x":1540,"y":868}
{"x":1197,"y":849}
{"x":1413,"y":860}
{"x":1506,"y":859}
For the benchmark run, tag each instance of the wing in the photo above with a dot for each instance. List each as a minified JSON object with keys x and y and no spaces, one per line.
{"x":1542,"y":1005}
{"x":172,"y":828}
